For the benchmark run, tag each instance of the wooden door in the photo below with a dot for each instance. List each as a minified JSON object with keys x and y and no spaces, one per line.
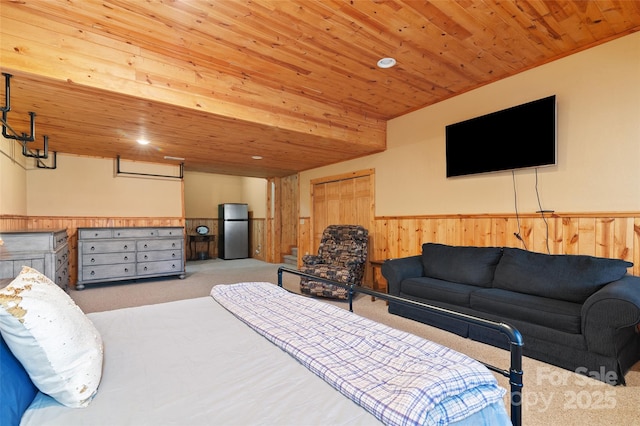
{"x":342,"y":200}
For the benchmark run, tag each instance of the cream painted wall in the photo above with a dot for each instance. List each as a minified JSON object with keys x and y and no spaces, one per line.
{"x":13,"y":178}
{"x":598,"y":95}
{"x":86,"y":186}
{"x":204,"y":191}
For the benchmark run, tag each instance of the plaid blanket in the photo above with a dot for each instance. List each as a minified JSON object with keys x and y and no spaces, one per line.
{"x":400,"y":378}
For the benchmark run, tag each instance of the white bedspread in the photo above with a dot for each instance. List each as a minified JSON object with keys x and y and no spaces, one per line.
{"x":192,"y":363}
{"x":398,"y":377}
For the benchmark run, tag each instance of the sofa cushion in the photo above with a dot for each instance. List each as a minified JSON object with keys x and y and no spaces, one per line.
{"x":437,"y":290}
{"x":572,"y":278}
{"x":459,"y":264}
{"x":552,"y":313}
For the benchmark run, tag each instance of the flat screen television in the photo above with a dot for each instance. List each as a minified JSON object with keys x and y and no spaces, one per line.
{"x":519,"y":137}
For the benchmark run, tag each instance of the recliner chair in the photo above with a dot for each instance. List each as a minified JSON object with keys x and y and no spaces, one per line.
{"x":342,"y":256}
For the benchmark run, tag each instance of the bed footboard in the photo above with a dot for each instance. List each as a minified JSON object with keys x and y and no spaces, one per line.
{"x":514,"y":373}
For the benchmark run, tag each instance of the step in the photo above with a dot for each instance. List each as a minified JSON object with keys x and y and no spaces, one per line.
{"x":290,"y":259}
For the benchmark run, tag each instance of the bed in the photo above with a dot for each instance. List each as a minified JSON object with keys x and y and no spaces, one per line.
{"x":253,"y":353}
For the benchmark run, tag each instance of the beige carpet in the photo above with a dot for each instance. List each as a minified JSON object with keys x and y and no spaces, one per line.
{"x":551,"y":396}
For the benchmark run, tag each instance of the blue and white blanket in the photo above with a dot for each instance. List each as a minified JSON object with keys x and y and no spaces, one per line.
{"x":400,"y":378}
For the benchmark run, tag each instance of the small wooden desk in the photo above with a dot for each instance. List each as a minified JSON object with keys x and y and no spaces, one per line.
{"x":194,"y":239}
{"x":377,"y":285}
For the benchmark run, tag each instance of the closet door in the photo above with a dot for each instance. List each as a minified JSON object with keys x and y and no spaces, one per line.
{"x":342,"y":200}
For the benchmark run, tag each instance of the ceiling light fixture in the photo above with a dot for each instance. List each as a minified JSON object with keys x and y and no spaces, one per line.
{"x":143,"y":142}
{"x":386,"y":63}
{"x":257,"y":157}
{"x":169,"y":157}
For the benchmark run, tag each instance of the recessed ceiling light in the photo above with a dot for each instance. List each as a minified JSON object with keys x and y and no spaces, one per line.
{"x":143,"y":142}
{"x":386,"y":62}
{"x":257,"y":157}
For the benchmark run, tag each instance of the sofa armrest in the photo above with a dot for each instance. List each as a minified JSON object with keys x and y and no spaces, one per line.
{"x":397,"y":270}
{"x":613,"y":307}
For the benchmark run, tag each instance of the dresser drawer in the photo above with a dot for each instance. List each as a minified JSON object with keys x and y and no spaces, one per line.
{"x":153,"y":268}
{"x":152,"y":256}
{"x":105,"y":246}
{"x":88,"y":234}
{"x":101,"y":272}
{"x":60,"y":239}
{"x":107,"y":258}
{"x":135,"y":232}
{"x":171,"y":232}
{"x":62,"y":257}
{"x":159,"y":244}
{"x":62,"y":277}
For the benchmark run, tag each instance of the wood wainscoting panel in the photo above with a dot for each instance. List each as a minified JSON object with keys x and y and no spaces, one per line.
{"x":13,"y":223}
{"x":612,"y":235}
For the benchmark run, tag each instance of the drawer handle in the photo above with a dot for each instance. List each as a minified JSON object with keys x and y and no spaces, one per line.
{"x":93,"y":260}
{"x":126,"y":269}
{"x":92,"y":273}
{"x":173,"y":255}
{"x":173,"y":266}
{"x":126,"y":246}
{"x":92,"y":248}
{"x":126,"y":258}
{"x":145,"y":246}
{"x":173,"y":244}
{"x":145,"y":268}
{"x":95,"y":235}
{"x":146,"y":257}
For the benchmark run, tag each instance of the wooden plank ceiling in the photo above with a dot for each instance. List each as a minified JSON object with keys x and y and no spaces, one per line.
{"x":295,"y":82}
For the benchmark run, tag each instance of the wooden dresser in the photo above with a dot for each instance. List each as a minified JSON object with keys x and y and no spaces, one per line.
{"x":116,"y":254}
{"x":46,"y":250}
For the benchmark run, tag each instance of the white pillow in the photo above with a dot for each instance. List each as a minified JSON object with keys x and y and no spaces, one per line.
{"x":48,"y":333}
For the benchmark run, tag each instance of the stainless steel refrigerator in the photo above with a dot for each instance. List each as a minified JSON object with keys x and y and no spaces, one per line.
{"x":233,"y":231}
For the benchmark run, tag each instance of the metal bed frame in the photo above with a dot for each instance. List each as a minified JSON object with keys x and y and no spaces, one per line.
{"x":514,"y":373}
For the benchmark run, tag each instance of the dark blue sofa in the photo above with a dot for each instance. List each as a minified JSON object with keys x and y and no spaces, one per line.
{"x":577,"y":312}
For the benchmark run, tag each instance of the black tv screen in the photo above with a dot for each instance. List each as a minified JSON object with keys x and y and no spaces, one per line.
{"x":518,"y":137}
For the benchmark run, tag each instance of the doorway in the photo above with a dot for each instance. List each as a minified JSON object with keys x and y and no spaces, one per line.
{"x":344,"y":199}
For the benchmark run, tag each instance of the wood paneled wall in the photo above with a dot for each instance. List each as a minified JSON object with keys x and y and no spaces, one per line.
{"x":257,"y":238}
{"x":281,"y":225}
{"x":289,"y":214}
{"x":613,"y":235}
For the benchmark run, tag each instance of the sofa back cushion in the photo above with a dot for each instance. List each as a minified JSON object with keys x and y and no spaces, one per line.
{"x":565,"y":277}
{"x":460,"y":264}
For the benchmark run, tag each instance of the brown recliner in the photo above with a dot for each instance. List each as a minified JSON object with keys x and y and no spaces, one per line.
{"x":342,"y":257}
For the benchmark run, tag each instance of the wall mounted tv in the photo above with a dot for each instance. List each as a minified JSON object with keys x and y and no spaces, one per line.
{"x":522,"y":136}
